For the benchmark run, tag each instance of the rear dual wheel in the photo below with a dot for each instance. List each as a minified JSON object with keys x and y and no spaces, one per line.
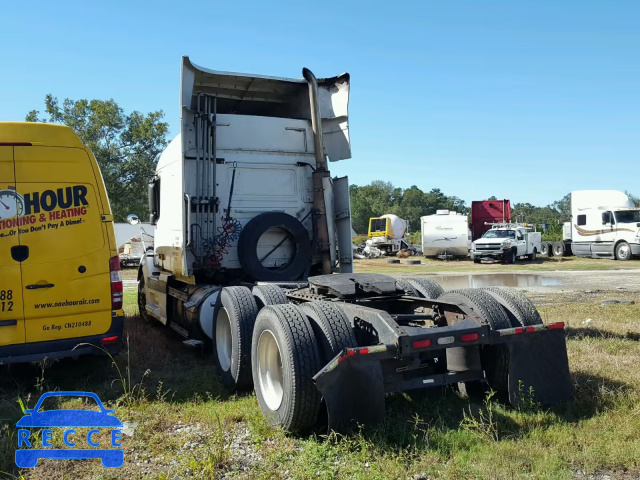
{"x":232,"y":333}
{"x":486,"y":310}
{"x":419,"y":287}
{"x":290,"y":345}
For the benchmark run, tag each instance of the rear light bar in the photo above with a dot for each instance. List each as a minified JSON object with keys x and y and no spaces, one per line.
{"x":116,"y":283}
{"x":421,"y":344}
{"x":109,"y":340}
{"x":532,"y":328}
{"x":556,"y":326}
{"x":469,"y":337}
{"x":353,"y":351}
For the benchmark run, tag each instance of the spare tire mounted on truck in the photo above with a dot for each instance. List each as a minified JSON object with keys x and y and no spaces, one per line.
{"x":294,"y":233}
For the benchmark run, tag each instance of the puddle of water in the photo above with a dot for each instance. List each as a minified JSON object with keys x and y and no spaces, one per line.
{"x":474,"y":280}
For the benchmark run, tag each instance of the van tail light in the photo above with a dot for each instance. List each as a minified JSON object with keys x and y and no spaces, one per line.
{"x":116,"y":283}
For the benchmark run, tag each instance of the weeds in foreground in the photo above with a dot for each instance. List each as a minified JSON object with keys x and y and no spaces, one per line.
{"x":526,"y":399}
{"x":218,"y":456}
{"x":133,"y":394}
{"x":483,"y":421}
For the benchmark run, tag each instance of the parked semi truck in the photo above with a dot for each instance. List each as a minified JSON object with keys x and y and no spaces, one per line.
{"x":506,"y":242}
{"x":445,"y":234}
{"x":486,"y":212}
{"x":253,"y":253}
{"x":387,"y":235}
{"x":604,"y":224}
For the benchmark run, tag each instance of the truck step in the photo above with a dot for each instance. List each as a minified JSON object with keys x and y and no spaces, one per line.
{"x":191,"y":342}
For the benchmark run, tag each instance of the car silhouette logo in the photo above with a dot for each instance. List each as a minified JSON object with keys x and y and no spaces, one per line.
{"x":68,"y":419}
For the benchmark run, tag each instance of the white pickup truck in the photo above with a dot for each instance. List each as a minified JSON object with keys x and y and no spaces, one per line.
{"x":506,"y":242}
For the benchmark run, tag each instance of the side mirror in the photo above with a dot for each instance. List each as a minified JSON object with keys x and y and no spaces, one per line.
{"x":132,"y":219}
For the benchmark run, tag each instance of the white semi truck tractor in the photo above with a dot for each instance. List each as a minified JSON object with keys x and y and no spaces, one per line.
{"x":253,"y":253}
{"x":604,"y":224}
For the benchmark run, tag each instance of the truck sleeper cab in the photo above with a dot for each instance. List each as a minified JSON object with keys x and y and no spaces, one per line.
{"x":60,"y":282}
{"x":604,"y":224}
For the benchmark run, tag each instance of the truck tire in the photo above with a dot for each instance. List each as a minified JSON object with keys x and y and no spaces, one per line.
{"x":426,"y":287}
{"x":558,"y":249}
{"x":510,"y":257}
{"x":488,"y":309}
{"x":142,"y":302}
{"x":495,"y":358}
{"x":331,"y":328}
{"x":413,"y":262}
{"x":232,"y":337}
{"x":534,"y":255}
{"x":519,"y":308}
{"x":623,"y":252}
{"x":545,"y":249}
{"x":528,"y":312}
{"x":250,"y":236}
{"x":269,"y":295}
{"x":393,"y":260}
{"x":402,"y":284}
{"x":476,"y":260}
{"x":285,"y":357}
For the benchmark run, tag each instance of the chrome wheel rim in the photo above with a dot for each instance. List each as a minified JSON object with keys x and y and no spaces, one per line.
{"x":270,"y":373}
{"x":223,"y":339}
{"x":623,"y":251}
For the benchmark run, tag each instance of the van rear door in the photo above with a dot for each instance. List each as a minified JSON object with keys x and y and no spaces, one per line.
{"x":11,"y":314}
{"x":66,"y":279}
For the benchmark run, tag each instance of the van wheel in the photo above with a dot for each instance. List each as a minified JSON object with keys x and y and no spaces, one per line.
{"x":623,"y":252}
{"x":232,"y":337}
{"x":285,"y":357}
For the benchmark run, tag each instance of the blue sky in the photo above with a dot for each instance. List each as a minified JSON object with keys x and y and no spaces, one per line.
{"x":524,"y":100}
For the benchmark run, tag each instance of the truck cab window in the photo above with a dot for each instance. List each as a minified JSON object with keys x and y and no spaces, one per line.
{"x":607,"y":218}
{"x":628,"y":216}
{"x":520,"y":236}
{"x":582,"y":220}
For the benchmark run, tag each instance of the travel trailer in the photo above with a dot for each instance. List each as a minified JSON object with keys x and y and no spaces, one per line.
{"x":445,"y":234}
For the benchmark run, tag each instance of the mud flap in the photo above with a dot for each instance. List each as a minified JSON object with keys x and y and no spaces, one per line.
{"x":539,"y":369}
{"x":353,"y":392}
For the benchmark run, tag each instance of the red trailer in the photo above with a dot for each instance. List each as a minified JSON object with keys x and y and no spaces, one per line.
{"x":488,"y":211}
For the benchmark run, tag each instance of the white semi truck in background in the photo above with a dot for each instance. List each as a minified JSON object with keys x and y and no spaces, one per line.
{"x":445,"y":234}
{"x":253,"y":253}
{"x":604,"y":224}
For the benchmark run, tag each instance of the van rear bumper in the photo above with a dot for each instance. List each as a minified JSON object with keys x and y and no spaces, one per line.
{"x":34,"y":352}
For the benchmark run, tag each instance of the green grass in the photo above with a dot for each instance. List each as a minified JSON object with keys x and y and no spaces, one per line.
{"x":432,"y":433}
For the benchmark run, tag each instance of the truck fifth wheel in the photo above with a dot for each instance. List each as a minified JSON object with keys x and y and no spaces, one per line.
{"x":253,"y":253}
